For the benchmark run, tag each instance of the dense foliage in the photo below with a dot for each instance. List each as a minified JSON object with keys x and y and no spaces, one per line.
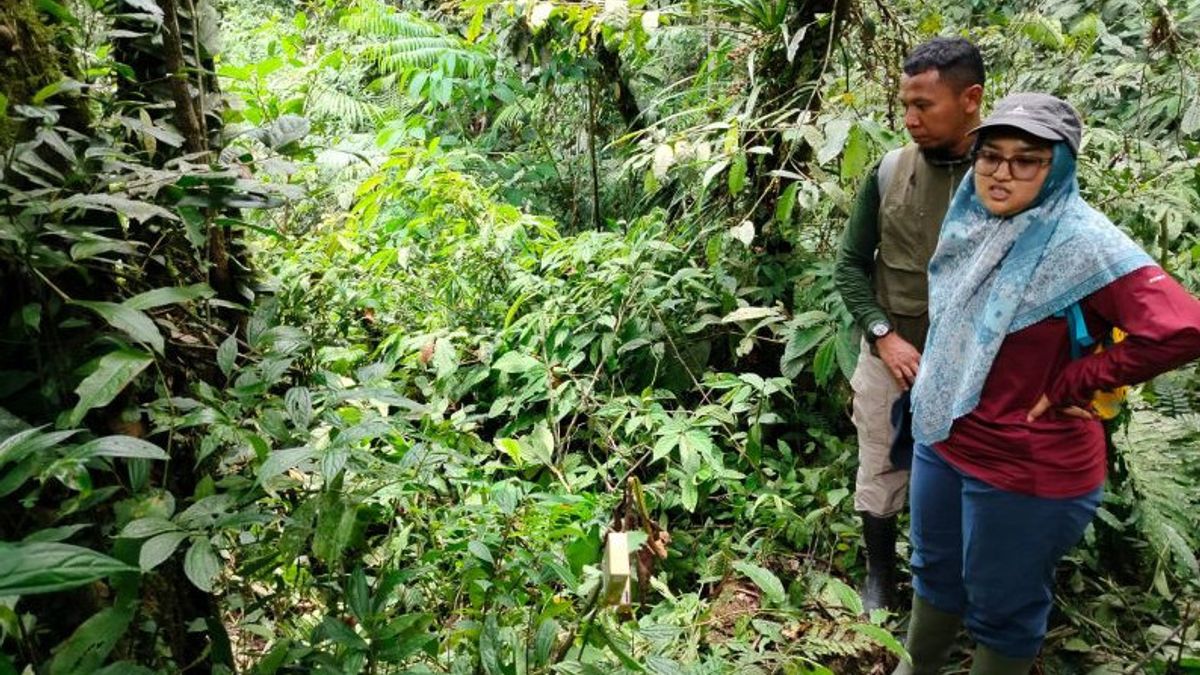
{"x":338,"y":336}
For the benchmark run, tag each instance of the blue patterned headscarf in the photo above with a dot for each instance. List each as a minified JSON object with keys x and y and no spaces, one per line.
{"x":991,"y":276}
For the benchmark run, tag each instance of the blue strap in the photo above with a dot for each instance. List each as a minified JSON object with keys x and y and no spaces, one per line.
{"x":1077,"y":330}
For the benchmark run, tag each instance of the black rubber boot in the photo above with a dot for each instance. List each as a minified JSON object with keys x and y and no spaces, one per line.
{"x":879,"y":591}
{"x":990,"y":662}
{"x":931,"y":635}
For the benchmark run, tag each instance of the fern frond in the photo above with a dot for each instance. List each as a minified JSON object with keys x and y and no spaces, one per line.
{"x":329,"y":103}
{"x":1172,"y":396}
{"x":381,"y":23}
{"x":409,"y":53}
{"x":1161,"y":454}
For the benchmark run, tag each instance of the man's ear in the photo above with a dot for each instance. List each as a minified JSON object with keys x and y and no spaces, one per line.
{"x":972,"y":98}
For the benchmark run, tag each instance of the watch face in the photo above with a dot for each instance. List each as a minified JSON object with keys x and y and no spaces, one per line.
{"x":880,"y":329}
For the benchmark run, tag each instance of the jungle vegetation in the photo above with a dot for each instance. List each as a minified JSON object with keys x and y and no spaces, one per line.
{"x":335,"y":335}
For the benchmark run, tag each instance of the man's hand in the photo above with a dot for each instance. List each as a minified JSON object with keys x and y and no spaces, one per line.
{"x":901,"y":358}
{"x":1044,"y":404}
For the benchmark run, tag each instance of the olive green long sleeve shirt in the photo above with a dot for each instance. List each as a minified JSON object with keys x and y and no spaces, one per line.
{"x":855,"y":263}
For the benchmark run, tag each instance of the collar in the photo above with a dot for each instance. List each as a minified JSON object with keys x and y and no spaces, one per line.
{"x":942,"y":157}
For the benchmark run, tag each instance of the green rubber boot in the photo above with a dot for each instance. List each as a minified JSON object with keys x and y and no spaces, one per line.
{"x":990,"y":662}
{"x":931,"y":635}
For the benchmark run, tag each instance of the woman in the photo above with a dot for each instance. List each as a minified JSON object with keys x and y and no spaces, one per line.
{"x":1009,"y":460}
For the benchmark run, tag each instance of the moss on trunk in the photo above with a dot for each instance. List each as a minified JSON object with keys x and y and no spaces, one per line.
{"x":31,"y":57}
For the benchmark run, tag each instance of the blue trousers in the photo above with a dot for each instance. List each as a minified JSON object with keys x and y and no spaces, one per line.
{"x":989,"y":555}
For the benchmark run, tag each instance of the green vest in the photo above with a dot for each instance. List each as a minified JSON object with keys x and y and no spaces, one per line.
{"x":910,"y":217}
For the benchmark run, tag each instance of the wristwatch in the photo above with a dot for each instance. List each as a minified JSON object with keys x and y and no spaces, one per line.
{"x":877,"y":330}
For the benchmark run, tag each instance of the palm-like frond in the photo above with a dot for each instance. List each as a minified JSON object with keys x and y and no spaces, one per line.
{"x":378,"y":22}
{"x":328,"y":102}
{"x":403,"y":42}
{"x":1162,"y":458}
{"x":409,"y":53}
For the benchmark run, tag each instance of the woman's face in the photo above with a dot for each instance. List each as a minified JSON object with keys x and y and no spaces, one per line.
{"x":1009,"y":173}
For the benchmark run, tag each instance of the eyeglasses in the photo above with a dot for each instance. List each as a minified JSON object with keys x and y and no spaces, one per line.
{"x":1020,"y":167}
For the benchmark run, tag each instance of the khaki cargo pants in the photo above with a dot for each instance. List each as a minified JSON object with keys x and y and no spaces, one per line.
{"x":879,"y":489}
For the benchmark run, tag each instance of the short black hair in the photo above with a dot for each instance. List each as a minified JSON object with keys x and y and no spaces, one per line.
{"x":956,"y":60}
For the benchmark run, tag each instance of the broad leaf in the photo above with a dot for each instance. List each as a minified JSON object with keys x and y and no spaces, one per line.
{"x":119,"y":446}
{"x":737,"y":174}
{"x":481,"y":551}
{"x":136,"y":324}
{"x":147,"y":527}
{"x":766,"y":581}
{"x":282,"y":460}
{"x":89,"y":646}
{"x":201,"y":565}
{"x":836,"y":133}
{"x":28,"y":568}
{"x":115,"y":371}
{"x":159,"y":548}
{"x":515,"y":362}
{"x":130,"y":208}
{"x":882,"y":637}
{"x":227,"y":355}
{"x":29,"y":442}
{"x":170,"y":295}
{"x":799,"y":345}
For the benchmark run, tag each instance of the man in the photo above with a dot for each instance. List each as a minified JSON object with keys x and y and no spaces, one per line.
{"x":881,"y":275}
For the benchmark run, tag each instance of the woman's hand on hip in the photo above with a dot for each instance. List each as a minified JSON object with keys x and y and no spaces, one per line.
{"x":1044,"y":404}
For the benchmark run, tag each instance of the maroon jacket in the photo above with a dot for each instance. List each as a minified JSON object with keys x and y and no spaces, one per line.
{"x":1058,"y":455}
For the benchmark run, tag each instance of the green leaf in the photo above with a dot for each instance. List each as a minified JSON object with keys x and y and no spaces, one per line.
{"x":836,"y":133}
{"x":1190,"y":123}
{"x":130,"y":208}
{"x":621,"y":650}
{"x":786,"y":204}
{"x":159,"y":548}
{"x":825,"y":362}
{"x":282,"y":460}
{"x":1043,"y":30}
{"x":124,"y":668}
{"x":285,"y":130}
{"x":689,"y":496}
{"x":94,"y":247}
{"x":856,"y":155}
{"x":515,"y":363}
{"x":799,"y":344}
{"x":28,"y":568}
{"x":766,"y":581}
{"x":481,"y":551}
{"x":63,"y":84}
{"x":882,"y":637}
{"x":489,"y":646}
{"x":846,"y":351}
{"x":544,"y":641}
{"x":115,"y":371}
{"x":201,"y":565}
{"x":119,"y":446}
{"x":31,"y":442}
{"x":147,"y":527}
{"x":89,"y":646}
{"x":227,"y":355}
{"x":53,"y":534}
{"x":131,"y":321}
{"x":148,"y":6}
{"x":358,"y":594}
{"x":58,"y":11}
{"x":335,"y":527}
{"x":737,"y":174}
{"x":170,"y":295}
{"x":846,"y":596}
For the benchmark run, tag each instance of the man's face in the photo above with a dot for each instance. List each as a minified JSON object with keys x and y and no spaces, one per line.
{"x":937,"y":114}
